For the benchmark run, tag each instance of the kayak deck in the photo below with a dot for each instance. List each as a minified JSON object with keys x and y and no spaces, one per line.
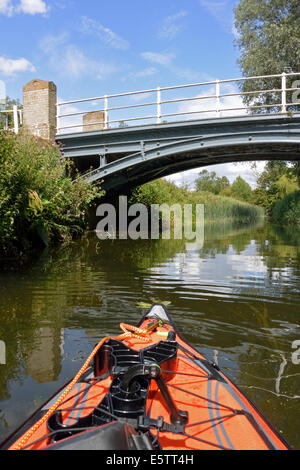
{"x":150,"y":390}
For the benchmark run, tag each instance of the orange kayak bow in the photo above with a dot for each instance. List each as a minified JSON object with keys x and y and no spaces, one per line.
{"x":147,"y":389}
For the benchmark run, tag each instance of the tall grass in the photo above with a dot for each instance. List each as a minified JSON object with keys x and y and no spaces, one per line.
{"x":216,"y":207}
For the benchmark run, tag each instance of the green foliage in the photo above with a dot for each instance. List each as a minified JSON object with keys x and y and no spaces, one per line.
{"x":275,"y":182}
{"x":286,"y":211}
{"x":216,"y":207}
{"x":226,"y":192}
{"x":37,"y":200}
{"x":240,"y":189}
{"x":268,"y":38}
{"x":209,"y":181}
{"x":150,"y":193}
{"x":286,"y":185}
{"x":296,"y":171}
{"x":268,"y":35}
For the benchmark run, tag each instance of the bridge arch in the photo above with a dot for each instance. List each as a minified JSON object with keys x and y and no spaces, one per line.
{"x":124,"y":158}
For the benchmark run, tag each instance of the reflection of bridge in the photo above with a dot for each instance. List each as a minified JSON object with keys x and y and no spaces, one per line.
{"x":125,"y":157}
{"x":217,"y":123}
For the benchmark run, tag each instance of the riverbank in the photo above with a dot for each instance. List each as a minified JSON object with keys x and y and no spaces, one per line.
{"x":286,"y":211}
{"x":39,"y":204}
{"x":216,"y":207}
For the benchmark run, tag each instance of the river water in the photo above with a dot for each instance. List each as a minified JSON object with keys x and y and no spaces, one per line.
{"x":236,"y":299}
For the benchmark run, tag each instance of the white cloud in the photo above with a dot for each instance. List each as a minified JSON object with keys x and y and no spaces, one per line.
{"x":234,"y":104}
{"x":146,"y":72}
{"x":30,"y":7}
{"x":137,"y":75}
{"x":222,"y":10}
{"x":2,"y":92}
{"x":69,"y":60}
{"x":74,"y":121}
{"x":158,"y":58}
{"x":33,"y":7}
{"x":215,"y":7}
{"x":6,"y":7}
{"x":49,"y":43}
{"x":76,"y":64}
{"x":171,"y":26}
{"x":167,"y":60}
{"x":105,"y":34}
{"x":10,"y":67}
{"x":140,"y":97}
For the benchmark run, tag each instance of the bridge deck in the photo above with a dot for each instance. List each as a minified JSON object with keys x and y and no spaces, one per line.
{"x":129,"y":156}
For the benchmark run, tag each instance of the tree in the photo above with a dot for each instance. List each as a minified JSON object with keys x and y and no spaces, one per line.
{"x":240,"y":189}
{"x":276,"y":181}
{"x":271,"y":174}
{"x":268,"y":38}
{"x":209,"y":181}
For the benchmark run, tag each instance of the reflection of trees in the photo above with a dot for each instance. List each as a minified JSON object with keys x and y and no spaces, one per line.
{"x":257,"y":333}
{"x":279,"y":244}
{"x":280,"y":251}
{"x":266,"y":372}
{"x":220,"y":236}
{"x":143,"y":254}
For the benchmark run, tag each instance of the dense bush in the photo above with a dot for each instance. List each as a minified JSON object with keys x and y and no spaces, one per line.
{"x":38,"y":201}
{"x":286,"y":211}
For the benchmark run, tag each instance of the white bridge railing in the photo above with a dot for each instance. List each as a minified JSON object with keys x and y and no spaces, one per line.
{"x":16,"y":121}
{"x":219,"y":98}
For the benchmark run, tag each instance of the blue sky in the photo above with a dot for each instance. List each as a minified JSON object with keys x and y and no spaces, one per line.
{"x":93,"y":48}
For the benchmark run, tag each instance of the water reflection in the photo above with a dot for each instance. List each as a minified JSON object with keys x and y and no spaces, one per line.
{"x":44,"y":361}
{"x":236,"y":298}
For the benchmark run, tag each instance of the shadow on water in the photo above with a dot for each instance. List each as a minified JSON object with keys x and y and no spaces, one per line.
{"x":236,"y":298}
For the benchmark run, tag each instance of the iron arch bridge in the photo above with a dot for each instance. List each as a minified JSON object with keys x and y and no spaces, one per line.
{"x":184,"y":127}
{"x":121,"y":158}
